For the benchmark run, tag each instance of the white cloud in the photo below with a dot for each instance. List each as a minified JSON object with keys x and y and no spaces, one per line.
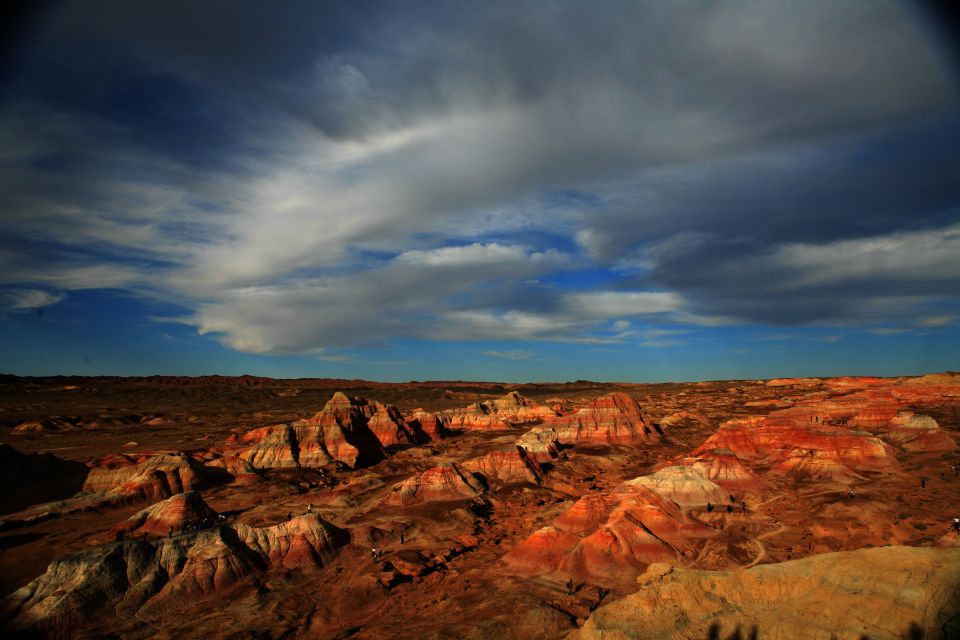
{"x":510,"y":354}
{"x":19,"y":299}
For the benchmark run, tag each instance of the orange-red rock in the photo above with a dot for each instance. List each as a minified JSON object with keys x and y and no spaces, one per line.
{"x":541,"y":444}
{"x":611,"y":419}
{"x":134,"y":577}
{"x":506,"y":466}
{"x":170,"y":515}
{"x":688,"y":486}
{"x":502,"y":413}
{"x":152,"y":477}
{"x":607,"y":538}
{"x":428,"y":426}
{"x":448,"y":482}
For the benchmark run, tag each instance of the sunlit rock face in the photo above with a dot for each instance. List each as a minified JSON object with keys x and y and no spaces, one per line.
{"x":514,"y":465}
{"x":608,"y":537}
{"x":541,"y":444}
{"x":502,"y":413}
{"x":428,"y":426}
{"x":146,"y":477}
{"x":687,"y":486}
{"x":898,"y":592}
{"x":340,"y":432}
{"x":173,"y":514}
{"x":447,"y":482}
{"x":136,"y":577}
{"x":611,"y":419}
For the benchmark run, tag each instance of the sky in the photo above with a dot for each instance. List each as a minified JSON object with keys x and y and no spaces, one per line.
{"x":513,"y":191}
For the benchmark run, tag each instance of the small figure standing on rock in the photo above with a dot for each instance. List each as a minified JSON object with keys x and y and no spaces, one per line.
{"x":310,"y":508}
{"x":570,"y":587}
{"x":289,"y":516}
{"x":956,"y":526}
{"x":729,"y":508}
{"x":923,"y":483}
{"x":811,"y":453}
{"x":374,"y":554}
{"x":170,"y":533}
{"x":709,"y":508}
{"x":851,"y":493}
{"x":743,"y":504}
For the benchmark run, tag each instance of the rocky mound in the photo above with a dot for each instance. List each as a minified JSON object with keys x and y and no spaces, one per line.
{"x":506,"y":466}
{"x":541,"y":444}
{"x":449,"y":482}
{"x":773,"y":439}
{"x":723,"y":467}
{"x":502,"y":413}
{"x":340,"y":432}
{"x":34,"y":478}
{"x":135,"y":578}
{"x":608,"y":538}
{"x":687,"y":486}
{"x":428,"y":426}
{"x":151,"y":478}
{"x":917,"y":433}
{"x":390,"y":428}
{"x":174,"y":514}
{"x":884,"y":593}
{"x":611,"y":419}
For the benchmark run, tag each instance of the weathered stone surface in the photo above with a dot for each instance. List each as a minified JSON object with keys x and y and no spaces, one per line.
{"x":448,"y":482}
{"x":147,"y":477}
{"x":171,"y":515}
{"x":502,"y":413}
{"x":135,"y":577}
{"x":541,"y":444}
{"x":884,"y":594}
{"x":687,"y":486}
{"x":506,"y":466}
{"x":611,"y":419}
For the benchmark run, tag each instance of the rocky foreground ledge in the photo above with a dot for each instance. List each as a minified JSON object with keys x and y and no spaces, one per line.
{"x":887,"y":592}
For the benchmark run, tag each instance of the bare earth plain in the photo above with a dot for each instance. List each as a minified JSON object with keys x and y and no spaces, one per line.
{"x":219,"y":507}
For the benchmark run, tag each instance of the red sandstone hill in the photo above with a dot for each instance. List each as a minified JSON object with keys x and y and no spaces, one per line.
{"x":615,"y":418}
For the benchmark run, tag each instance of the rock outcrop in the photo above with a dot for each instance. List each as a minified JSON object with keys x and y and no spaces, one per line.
{"x":506,"y":466}
{"x":502,"y":413}
{"x":608,"y":538}
{"x":776,"y":438}
{"x":884,"y":594}
{"x":723,"y":467}
{"x":171,"y":515}
{"x":135,"y":578}
{"x":541,"y":444}
{"x":611,"y":419}
{"x":428,"y":425}
{"x":917,"y":433}
{"x":390,"y":428}
{"x":340,"y":432}
{"x":448,"y":482}
{"x":155,"y":477}
{"x":687,"y":486}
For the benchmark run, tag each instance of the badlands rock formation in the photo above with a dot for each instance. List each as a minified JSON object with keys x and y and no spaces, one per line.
{"x":611,"y":419}
{"x":389,"y":427}
{"x":140,"y":578}
{"x":608,"y":538}
{"x":340,"y":432}
{"x":506,"y":466}
{"x":429,"y":426}
{"x":883,"y":594}
{"x":171,"y":515}
{"x":687,"y":486}
{"x":448,"y":482}
{"x":723,"y":467}
{"x":147,"y":477}
{"x":541,"y":444}
{"x":503,"y":413}
{"x":775,"y":438}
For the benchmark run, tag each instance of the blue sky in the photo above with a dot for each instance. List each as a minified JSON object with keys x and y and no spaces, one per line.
{"x":456,"y":190}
